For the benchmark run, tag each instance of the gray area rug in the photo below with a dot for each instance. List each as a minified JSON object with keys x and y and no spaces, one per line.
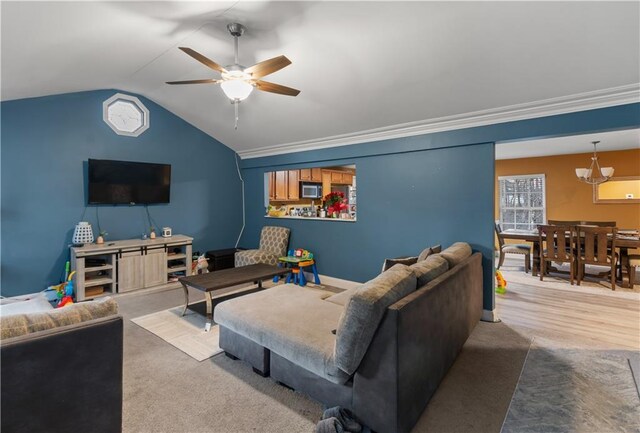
{"x":575,"y":390}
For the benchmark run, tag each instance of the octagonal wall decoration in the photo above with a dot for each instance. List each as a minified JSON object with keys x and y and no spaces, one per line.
{"x":126,"y":115}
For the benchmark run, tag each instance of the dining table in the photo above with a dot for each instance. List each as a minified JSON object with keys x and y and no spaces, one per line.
{"x":623,"y":244}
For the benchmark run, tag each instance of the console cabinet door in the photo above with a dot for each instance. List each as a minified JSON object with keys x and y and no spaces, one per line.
{"x":155,"y":267}
{"x":130,"y":271}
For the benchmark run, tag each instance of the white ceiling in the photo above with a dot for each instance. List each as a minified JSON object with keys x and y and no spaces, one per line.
{"x":360,"y":65}
{"x":614,"y":140}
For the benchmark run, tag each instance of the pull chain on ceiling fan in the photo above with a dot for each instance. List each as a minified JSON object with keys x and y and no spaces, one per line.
{"x":238,"y":82}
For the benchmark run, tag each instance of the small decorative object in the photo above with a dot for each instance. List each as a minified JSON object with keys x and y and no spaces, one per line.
{"x":83,"y":234}
{"x":200,"y":266}
{"x":166,"y":232}
{"x":152,"y":233}
{"x":501,"y":283}
{"x":101,"y":236}
{"x":335,"y":203}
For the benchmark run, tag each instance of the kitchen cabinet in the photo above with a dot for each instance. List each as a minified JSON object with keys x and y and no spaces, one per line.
{"x":311,"y":174}
{"x":282,"y":185}
{"x":272,"y":185}
{"x":293,"y":187}
{"x":347,"y":178}
{"x":305,"y":174}
{"x":316,"y":175}
{"x":340,"y":177}
{"x":326,"y":182}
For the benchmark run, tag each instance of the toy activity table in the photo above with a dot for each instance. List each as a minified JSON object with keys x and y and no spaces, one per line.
{"x":297,"y":266}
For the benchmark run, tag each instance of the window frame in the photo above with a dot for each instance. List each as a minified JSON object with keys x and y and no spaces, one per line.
{"x":528,"y":207}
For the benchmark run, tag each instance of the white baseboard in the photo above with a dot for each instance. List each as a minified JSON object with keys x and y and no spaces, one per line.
{"x":490,"y":316}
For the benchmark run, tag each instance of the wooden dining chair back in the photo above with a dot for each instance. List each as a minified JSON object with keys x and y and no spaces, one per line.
{"x":597,"y":246}
{"x":599,"y":223}
{"x":563,"y":223}
{"x":558,"y":242}
{"x":521,"y":249}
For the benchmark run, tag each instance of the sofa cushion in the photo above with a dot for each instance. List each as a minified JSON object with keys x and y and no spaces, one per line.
{"x":21,"y":324}
{"x":292,"y":321}
{"x":388,"y":263}
{"x":364,"y":311}
{"x":456,"y":253}
{"x":430,"y":268}
{"x":343,"y":297}
{"x":428,"y":251}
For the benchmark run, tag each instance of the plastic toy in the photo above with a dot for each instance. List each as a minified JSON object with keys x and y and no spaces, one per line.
{"x":65,"y":292}
{"x":501,"y":283}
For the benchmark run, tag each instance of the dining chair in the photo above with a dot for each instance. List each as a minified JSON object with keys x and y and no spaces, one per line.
{"x":593,"y":249}
{"x":559,"y":241}
{"x":634,"y":262}
{"x":563,"y":223}
{"x":599,"y":223}
{"x":521,"y":249}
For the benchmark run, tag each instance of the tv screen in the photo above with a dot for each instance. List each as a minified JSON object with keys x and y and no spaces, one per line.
{"x":125,"y":182}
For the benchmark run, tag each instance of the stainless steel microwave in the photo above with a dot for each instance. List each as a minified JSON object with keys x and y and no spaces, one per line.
{"x":310,"y":190}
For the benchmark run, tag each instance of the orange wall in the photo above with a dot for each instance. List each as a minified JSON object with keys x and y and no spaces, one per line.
{"x":567,"y":197}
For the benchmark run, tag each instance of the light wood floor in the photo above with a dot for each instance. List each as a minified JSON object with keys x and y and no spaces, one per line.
{"x":590,"y":315}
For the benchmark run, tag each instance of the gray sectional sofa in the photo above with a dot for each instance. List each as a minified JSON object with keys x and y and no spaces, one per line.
{"x":379,"y":349}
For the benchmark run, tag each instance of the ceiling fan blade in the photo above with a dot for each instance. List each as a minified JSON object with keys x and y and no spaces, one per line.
{"x":202,"y":59}
{"x":265,"y":86}
{"x":267,"y":67}
{"x":205,"y":81}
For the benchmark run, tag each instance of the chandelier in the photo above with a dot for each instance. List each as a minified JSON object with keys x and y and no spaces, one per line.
{"x":594,"y":174}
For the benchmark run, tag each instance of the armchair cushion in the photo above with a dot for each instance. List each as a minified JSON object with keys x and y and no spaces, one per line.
{"x":273,"y":244}
{"x":251,"y":257}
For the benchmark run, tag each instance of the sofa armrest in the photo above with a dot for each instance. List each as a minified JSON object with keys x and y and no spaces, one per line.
{"x":64,"y":379}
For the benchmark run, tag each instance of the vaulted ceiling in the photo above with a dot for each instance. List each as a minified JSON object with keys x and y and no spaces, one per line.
{"x":360,"y":65}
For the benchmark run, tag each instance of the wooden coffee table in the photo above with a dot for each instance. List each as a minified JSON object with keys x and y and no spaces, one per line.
{"x":217,"y":280}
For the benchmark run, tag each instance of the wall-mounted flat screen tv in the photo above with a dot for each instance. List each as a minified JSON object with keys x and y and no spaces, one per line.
{"x":126,"y":182}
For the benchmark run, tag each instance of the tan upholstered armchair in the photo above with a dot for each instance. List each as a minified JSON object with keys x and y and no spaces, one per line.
{"x":273,"y":244}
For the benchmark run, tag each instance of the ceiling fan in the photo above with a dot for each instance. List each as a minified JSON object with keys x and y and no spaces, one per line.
{"x":237,"y":81}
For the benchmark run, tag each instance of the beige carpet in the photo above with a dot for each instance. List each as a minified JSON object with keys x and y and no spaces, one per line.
{"x":183,"y":332}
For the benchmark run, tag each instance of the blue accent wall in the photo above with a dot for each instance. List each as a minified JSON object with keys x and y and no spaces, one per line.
{"x":414,"y":192}
{"x":45,"y":145}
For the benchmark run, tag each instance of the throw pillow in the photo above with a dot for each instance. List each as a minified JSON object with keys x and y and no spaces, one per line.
{"x":430,"y":268}
{"x":428,"y":251}
{"x":364,"y":311}
{"x":408,"y":261}
{"x":456,"y":253}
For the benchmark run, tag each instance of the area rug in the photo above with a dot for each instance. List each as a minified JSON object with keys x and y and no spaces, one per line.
{"x":574,"y":390}
{"x":185,"y":333}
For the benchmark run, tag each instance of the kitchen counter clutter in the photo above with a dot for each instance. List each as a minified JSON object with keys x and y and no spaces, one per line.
{"x":343,"y":220}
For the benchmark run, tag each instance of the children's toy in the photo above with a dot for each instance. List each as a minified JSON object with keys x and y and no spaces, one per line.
{"x":200,"y":266}
{"x":65,"y":291}
{"x":501,"y":283}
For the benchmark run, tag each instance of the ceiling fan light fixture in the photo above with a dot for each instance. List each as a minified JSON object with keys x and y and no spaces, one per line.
{"x":236,"y":90}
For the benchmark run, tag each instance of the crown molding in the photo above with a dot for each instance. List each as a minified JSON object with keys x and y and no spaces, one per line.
{"x":621,"y":95}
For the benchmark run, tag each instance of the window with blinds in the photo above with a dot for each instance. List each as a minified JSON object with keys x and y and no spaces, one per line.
{"x":522,"y":201}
